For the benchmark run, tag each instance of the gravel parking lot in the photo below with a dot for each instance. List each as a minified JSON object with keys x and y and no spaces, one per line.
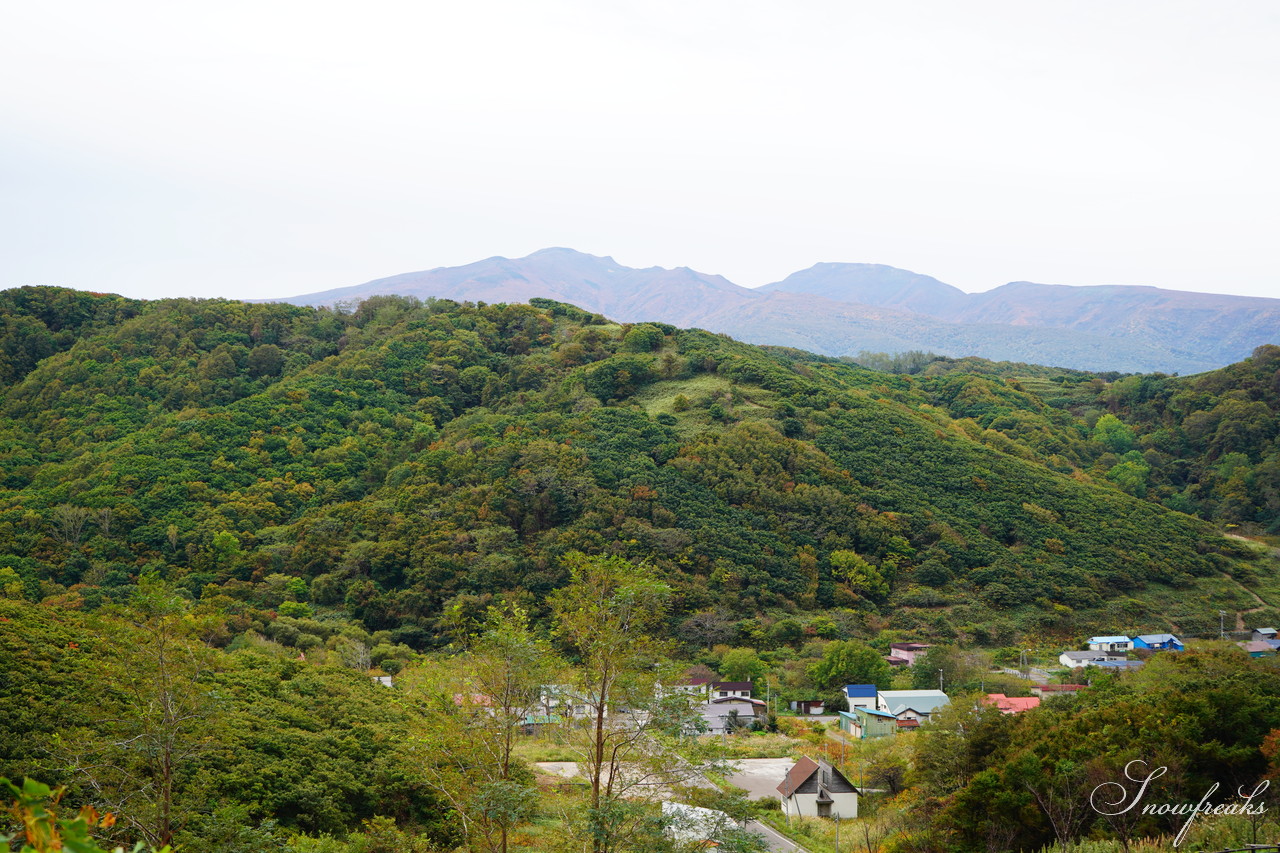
{"x":760,"y":777}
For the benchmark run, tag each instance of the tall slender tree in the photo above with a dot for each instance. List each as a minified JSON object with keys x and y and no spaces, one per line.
{"x":605,"y":617}
{"x":140,"y":761}
{"x":476,"y":705}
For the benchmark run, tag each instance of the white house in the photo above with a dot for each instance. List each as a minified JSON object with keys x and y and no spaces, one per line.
{"x":1079,"y":660}
{"x":731,"y":690}
{"x":816,"y":789}
{"x":909,"y":713}
{"x":1111,"y":644}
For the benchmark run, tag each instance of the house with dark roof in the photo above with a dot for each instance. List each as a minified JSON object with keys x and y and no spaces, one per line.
{"x":910,"y":652}
{"x":817,"y":789}
{"x":730,"y":689}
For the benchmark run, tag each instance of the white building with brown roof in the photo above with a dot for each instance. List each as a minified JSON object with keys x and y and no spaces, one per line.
{"x":816,"y":789}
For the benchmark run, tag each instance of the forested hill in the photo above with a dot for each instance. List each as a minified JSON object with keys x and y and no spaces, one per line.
{"x":405,"y":462}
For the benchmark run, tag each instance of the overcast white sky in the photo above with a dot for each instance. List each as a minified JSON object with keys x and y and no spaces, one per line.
{"x":255,"y":149}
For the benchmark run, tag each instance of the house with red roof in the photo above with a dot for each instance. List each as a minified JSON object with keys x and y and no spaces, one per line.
{"x":1012,"y":704}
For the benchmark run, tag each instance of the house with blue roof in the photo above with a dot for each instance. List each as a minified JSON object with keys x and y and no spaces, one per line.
{"x":1158,"y":642}
{"x":1110,"y":644}
{"x":861,"y":695}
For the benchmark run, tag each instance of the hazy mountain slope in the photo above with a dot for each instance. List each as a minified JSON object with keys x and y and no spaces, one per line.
{"x":1224,"y":328}
{"x":1162,"y":328}
{"x":875,"y":284}
{"x":844,"y":329}
{"x":680,"y":295}
{"x":841,"y":309}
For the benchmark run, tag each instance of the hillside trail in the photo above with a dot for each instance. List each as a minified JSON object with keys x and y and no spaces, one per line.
{"x":1240,"y":614}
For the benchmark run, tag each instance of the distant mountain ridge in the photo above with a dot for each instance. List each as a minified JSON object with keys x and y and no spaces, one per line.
{"x":841,"y":309}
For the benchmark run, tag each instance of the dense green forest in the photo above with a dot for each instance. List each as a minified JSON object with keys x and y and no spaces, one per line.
{"x":1204,"y":445}
{"x":402,"y":463}
{"x":278,"y":500}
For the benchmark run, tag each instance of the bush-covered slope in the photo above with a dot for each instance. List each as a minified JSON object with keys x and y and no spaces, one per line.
{"x":405,"y":461}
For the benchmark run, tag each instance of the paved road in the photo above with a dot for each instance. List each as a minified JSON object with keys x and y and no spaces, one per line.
{"x":773,"y":839}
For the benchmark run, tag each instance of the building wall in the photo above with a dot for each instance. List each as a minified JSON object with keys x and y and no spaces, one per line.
{"x":806,"y":805}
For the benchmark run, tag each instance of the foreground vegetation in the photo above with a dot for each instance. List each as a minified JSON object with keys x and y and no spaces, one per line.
{"x":254,"y":750}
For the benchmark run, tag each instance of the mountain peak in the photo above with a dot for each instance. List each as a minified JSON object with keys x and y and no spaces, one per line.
{"x":565,"y":253}
{"x":873,"y":284}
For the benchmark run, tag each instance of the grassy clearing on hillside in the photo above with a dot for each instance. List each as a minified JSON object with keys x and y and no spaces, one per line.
{"x":700,"y":392}
{"x":756,"y":745}
{"x":660,"y":397}
{"x":534,"y":749}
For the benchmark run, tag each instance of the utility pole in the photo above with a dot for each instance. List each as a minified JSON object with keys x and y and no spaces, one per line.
{"x":940,"y":679}
{"x":1222,"y":624}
